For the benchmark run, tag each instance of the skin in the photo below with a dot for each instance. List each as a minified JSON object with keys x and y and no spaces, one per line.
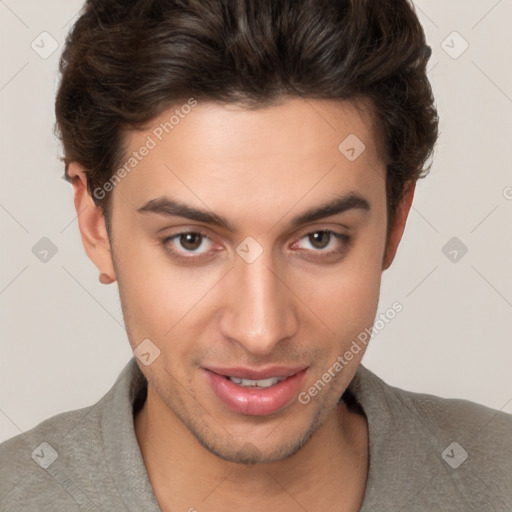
{"x":258,"y":169}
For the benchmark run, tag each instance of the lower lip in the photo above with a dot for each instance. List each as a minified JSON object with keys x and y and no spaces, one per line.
{"x":255,"y":401}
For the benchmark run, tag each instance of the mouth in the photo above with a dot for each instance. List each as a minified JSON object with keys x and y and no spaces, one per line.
{"x":261,"y":383}
{"x":255,"y":392}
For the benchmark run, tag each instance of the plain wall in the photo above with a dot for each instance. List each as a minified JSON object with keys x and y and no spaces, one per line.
{"x":63,"y":341}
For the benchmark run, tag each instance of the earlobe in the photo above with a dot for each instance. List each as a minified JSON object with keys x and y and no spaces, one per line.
{"x":397,"y":229}
{"x":92,"y":226}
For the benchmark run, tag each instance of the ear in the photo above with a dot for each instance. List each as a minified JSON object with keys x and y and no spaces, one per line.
{"x":92,"y":225}
{"x":397,"y":229}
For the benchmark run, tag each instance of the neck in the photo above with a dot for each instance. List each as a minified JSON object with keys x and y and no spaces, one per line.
{"x":331,"y":468}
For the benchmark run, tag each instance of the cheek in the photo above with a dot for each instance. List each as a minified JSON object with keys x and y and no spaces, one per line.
{"x":347,"y":298}
{"x":346,"y":303}
{"x":158,"y":297}
{"x":149,"y":294}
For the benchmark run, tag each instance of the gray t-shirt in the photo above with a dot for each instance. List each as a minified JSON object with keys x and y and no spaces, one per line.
{"x":426,"y":454}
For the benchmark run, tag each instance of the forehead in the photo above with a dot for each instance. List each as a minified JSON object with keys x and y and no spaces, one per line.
{"x":210,"y":153}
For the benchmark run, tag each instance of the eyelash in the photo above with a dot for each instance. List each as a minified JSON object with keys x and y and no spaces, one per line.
{"x":344,"y":238}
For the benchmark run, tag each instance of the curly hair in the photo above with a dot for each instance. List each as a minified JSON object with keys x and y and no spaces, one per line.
{"x":127,"y":61}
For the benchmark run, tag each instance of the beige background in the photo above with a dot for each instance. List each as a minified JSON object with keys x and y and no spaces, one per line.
{"x":62,"y":340}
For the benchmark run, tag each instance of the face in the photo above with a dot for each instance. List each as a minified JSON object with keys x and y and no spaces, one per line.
{"x":229,"y":262}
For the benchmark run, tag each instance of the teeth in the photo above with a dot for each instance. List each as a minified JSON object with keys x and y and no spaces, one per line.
{"x":264,"y":383}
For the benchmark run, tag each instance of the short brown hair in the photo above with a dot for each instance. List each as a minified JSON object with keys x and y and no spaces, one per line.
{"x":125,"y":62}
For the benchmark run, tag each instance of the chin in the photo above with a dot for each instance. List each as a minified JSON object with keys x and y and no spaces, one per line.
{"x":249,"y":453}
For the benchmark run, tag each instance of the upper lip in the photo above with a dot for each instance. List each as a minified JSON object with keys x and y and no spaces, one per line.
{"x":257,"y":373}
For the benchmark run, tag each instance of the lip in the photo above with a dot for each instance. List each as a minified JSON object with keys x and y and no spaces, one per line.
{"x":252,"y":401}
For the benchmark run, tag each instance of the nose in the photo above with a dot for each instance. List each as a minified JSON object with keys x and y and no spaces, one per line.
{"x":261,"y":310}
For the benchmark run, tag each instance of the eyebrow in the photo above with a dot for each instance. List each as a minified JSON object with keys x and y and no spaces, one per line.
{"x":172,"y":208}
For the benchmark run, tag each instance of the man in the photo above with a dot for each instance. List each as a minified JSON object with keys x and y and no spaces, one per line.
{"x":244,"y":170}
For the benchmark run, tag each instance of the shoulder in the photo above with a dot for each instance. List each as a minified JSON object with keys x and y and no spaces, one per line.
{"x":470,"y":421}
{"x":77,"y":460}
{"x":30,"y":469}
{"x":440,"y":416}
{"x":438,"y":452}
{"x":474,"y":448}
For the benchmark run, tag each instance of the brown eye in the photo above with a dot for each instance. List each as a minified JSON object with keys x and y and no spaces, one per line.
{"x":320,"y":239}
{"x":191,"y":241}
{"x":188,"y":246}
{"x":323,"y":245}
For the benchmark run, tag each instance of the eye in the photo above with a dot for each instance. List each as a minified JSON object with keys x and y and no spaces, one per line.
{"x":190,"y":246}
{"x":326,"y":243}
{"x":190,"y":242}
